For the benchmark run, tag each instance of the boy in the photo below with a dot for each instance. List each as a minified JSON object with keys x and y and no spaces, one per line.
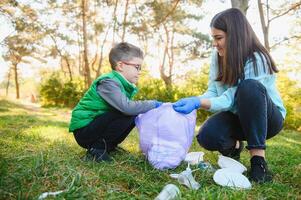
{"x":105,"y":115}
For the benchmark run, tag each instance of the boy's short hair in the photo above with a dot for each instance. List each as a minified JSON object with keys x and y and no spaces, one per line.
{"x":124,"y":52}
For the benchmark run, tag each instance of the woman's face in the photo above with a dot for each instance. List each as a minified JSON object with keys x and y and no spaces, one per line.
{"x":219,"y":40}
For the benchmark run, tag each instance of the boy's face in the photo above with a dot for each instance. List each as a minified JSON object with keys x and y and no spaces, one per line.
{"x":130,"y":69}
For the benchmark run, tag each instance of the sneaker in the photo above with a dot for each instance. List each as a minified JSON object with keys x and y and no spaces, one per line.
{"x":235,"y":153}
{"x":98,"y":155}
{"x":118,"y":149}
{"x":259,"y":170}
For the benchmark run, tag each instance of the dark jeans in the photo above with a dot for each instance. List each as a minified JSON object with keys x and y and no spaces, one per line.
{"x":256,"y":120}
{"x":105,"y":131}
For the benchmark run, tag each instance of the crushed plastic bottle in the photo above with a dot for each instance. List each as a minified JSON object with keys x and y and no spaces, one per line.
{"x":46,"y":194}
{"x":187,"y":179}
{"x":206,"y":166}
{"x":169,"y":192}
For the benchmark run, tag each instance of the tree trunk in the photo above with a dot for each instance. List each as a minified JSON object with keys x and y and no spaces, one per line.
{"x":115,"y":20}
{"x":166,"y":78}
{"x":171,"y":59}
{"x":264,"y":24}
{"x":80,"y":65}
{"x":15,"y":68}
{"x":64,"y":57}
{"x":96,"y":41}
{"x":124,"y":20}
{"x":8,"y":79}
{"x":69,"y":68}
{"x":241,"y":5}
{"x":101,"y":53}
{"x":105,"y":39}
{"x":87,"y":74}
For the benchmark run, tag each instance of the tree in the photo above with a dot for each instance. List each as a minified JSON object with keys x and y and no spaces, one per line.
{"x":99,"y":55}
{"x":114,"y":17}
{"x":8,"y":80}
{"x":268,"y":15}
{"x":87,"y":74}
{"x":23,"y":42}
{"x":124,"y":24}
{"x":18,"y":48}
{"x":241,"y":5}
{"x":165,"y":23}
{"x":80,"y":32}
{"x":72,"y":32}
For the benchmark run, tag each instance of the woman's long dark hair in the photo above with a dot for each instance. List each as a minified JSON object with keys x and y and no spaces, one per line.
{"x":241,"y":44}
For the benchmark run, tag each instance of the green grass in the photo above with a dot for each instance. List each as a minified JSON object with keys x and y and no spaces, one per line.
{"x":37,"y":154}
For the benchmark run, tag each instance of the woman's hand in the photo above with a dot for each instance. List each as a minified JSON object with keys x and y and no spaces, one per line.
{"x":158,"y":104}
{"x":187,"y":105}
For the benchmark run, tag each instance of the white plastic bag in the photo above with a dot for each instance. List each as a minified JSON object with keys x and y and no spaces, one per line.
{"x":165,"y":135}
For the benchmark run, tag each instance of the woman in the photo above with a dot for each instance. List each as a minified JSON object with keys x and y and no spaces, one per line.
{"x":242,"y":89}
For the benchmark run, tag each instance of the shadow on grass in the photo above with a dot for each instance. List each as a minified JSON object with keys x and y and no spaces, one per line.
{"x":27,"y":121}
{"x":5,"y":105}
{"x":23,"y":132}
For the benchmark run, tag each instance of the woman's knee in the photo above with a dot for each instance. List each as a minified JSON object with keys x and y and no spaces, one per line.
{"x":206,"y":138}
{"x":249,"y":89}
{"x":249,"y":84}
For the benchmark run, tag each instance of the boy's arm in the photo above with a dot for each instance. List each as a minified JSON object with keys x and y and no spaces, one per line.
{"x":110,"y":91}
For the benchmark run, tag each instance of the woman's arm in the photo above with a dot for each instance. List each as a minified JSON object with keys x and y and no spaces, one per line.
{"x":205,"y":104}
{"x":225,"y":101}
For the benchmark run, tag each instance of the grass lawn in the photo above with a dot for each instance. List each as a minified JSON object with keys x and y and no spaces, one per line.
{"x":37,"y":154}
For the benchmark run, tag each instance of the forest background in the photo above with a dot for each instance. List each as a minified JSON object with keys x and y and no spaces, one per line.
{"x":52,"y":50}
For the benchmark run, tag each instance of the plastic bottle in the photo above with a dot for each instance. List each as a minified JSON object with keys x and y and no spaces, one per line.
{"x":206,"y":166}
{"x":187,"y":179}
{"x":169,"y":192}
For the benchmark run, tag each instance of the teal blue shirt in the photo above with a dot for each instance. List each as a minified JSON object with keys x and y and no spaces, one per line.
{"x":221,"y":96}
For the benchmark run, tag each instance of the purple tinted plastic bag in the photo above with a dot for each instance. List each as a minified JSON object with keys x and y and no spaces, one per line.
{"x":165,"y":135}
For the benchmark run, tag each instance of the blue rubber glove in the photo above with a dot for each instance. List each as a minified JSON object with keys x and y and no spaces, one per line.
{"x":187,"y":105}
{"x":158,"y":103}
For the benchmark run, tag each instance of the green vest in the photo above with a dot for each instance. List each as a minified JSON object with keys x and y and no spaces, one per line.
{"x":93,"y":105}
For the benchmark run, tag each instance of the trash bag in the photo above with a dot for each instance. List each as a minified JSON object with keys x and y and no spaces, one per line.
{"x":165,"y":135}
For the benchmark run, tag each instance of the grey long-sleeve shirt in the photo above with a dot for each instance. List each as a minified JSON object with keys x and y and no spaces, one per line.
{"x":110,"y":91}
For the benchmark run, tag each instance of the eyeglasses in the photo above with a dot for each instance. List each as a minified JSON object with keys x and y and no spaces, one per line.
{"x":137,"y":66}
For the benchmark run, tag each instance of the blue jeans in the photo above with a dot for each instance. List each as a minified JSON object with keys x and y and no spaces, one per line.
{"x":256,"y":120}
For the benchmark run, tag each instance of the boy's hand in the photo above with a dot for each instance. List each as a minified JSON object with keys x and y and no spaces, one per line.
{"x":187,"y":105}
{"x":158,"y":103}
